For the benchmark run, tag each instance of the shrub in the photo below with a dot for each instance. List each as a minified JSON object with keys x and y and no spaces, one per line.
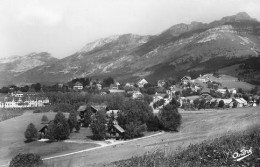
{"x":221,"y":104}
{"x":26,"y":160}
{"x":31,"y":132}
{"x":170,"y":118}
{"x":134,"y":130}
{"x":45,"y":119}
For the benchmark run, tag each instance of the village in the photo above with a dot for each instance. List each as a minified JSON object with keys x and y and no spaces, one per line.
{"x":202,"y":92}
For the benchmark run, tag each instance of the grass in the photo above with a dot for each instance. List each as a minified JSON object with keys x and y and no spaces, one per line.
{"x":10,"y":113}
{"x":13,"y":141}
{"x":215,"y":153}
{"x":46,"y":149}
{"x":196,"y":128}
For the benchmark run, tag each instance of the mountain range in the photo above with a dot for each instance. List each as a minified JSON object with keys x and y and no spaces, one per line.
{"x":183,"y":49}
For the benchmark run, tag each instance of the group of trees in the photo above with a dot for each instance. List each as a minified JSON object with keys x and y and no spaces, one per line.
{"x":12,"y":88}
{"x":135,"y":117}
{"x":151,"y":89}
{"x":58,"y":129}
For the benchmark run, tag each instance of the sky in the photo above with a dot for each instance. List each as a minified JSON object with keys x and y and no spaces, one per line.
{"x":62,"y":27}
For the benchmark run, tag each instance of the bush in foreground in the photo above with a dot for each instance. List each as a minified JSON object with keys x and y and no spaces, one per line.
{"x":31,"y":132}
{"x":44,"y":119}
{"x":26,"y":160}
{"x":170,"y":118}
{"x":214,"y":153}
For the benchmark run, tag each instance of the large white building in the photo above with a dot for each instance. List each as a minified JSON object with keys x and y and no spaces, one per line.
{"x":24,"y":101}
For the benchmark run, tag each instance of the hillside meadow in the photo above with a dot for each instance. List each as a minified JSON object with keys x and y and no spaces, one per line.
{"x":13,"y":141}
{"x":197,"y":127}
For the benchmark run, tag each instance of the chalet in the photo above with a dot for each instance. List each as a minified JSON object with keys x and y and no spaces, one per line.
{"x":141,"y":83}
{"x":43,"y":131}
{"x":185,"y":80}
{"x":94,"y":108}
{"x":116,"y":130}
{"x":160,"y":83}
{"x":78,"y":86}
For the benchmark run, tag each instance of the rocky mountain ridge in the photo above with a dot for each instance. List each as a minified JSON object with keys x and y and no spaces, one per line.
{"x":176,"y":51}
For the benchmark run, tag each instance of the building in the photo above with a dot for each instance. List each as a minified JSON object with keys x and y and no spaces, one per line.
{"x":98,"y":86}
{"x":129,"y":85}
{"x":137,"y":95}
{"x":160,"y":83}
{"x":185,"y":80}
{"x":78,"y":86}
{"x":26,"y":101}
{"x":240,"y":102}
{"x":116,"y":130}
{"x":115,"y":86}
{"x":141,"y":83}
{"x":224,"y":91}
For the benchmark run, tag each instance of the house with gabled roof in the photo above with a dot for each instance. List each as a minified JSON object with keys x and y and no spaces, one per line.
{"x":116,"y":130}
{"x":141,"y":83}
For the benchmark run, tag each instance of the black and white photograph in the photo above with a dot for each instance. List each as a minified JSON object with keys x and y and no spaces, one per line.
{"x":130,"y":83}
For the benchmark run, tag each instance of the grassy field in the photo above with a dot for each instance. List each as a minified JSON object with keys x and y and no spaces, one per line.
{"x":10,"y":113}
{"x":223,"y":151}
{"x":12,"y":138}
{"x":196,"y":128}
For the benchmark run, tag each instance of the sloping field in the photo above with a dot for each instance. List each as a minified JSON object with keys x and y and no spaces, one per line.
{"x":197,"y":126}
{"x":12,"y":138}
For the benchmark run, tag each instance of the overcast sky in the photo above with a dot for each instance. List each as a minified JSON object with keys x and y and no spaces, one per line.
{"x":61,"y":27}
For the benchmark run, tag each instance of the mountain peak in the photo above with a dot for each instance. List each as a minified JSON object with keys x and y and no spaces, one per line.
{"x":238,"y":17}
{"x":242,"y":16}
